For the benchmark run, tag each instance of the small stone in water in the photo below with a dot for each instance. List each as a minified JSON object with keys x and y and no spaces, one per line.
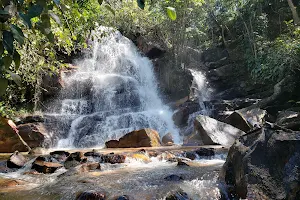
{"x":205,"y":152}
{"x":173,"y":177}
{"x":180,"y":195}
{"x":181,"y":163}
{"x":91,"y":195}
{"x":191,"y":155}
{"x":124,"y":197}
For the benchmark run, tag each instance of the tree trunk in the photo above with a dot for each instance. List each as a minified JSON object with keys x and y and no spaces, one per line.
{"x":284,"y":88}
{"x":294,"y":12}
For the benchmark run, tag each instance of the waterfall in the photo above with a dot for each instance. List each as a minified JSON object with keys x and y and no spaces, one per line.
{"x":114,"y":91}
{"x":200,"y":90}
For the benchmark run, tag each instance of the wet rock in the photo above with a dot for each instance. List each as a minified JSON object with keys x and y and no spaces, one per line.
{"x":182,"y":163}
{"x":173,"y":177}
{"x":45,"y":167}
{"x":238,"y":121}
{"x":193,"y":140}
{"x":265,"y":160}
{"x":167,"y":139}
{"x":80,"y":169}
{"x":179,"y":195}
{"x":289,"y":119}
{"x":124,"y":197}
{"x":30,"y":119}
{"x":34,"y":134}
{"x":92,"y":166}
{"x":212,"y":131}
{"x":60,"y":156}
{"x":46,"y":158}
{"x":141,"y":157}
{"x":141,"y":138}
{"x":112,"y":144}
{"x":205,"y":152}
{"x":152,"y":153}
{"x":246,"y":119}
{"x":16,"y":160}
{"x":92,"y":154}
{"x":166,"y":156}
{"x":114,"y":158}
{"x":9,"y":141}
{"x":37,"y":151}
{"x":91,"y":195}
{"x":60,"y":153}
{"x":190,"y":155}
{"x":32,"y":172}
{"x":75,"y":159}
{"x":181,"y":116}
{"x":5,"y":169}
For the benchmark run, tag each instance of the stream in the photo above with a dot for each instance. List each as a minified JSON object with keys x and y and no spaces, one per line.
{"x":136,"y":178}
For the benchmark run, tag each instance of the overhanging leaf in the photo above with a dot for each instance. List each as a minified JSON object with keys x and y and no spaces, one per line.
{"x":3,"y":85}
{"x":35,"y":11}
{"x":110,"y":9}
{"x":17,"y":59}
{"x":7,"y":60}
{"x":26,"y":19}
{"x":141,"y":4}
{"x":171,"y":13}
{"x":17,"y":33}
{"x":15,"y":77}
{"x":8,"y":41}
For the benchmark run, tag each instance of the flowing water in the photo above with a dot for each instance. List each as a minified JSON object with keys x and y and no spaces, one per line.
{"x":135,"y":178}
{"x":113,"y":92}
{"x":200,"y":91}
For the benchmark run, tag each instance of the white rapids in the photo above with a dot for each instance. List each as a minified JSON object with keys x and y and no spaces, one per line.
{"x":114,"y":91}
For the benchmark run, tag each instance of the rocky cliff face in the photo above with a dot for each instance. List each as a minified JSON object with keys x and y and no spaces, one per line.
{"x":264,"y":162}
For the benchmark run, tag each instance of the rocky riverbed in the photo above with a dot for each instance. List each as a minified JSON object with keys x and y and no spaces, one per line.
{"x":133,"y":173}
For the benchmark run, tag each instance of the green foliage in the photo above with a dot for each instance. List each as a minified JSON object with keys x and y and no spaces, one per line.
{"x":171,"y":13}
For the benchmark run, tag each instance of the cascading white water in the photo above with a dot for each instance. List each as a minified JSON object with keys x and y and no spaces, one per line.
{"x":113,"y":92}
{"x":201,"y":90}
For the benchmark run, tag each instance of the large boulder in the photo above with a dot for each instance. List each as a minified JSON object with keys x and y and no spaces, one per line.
{"x":182,"y":114}
{"x":142,"y":138}
{"x":45,"y":167}
{"x":9,"y":140}
{"x":265,"y":161}
{"x":245,"y":120}
{"x":16,"y":160}
{"x":212,"y":131}
{"x":289,"y":119}
{"x":167,"y":139}
{"x":34,"y":134}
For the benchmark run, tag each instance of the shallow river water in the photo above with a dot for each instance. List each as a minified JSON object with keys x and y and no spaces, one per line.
{"x":135,"y":178}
